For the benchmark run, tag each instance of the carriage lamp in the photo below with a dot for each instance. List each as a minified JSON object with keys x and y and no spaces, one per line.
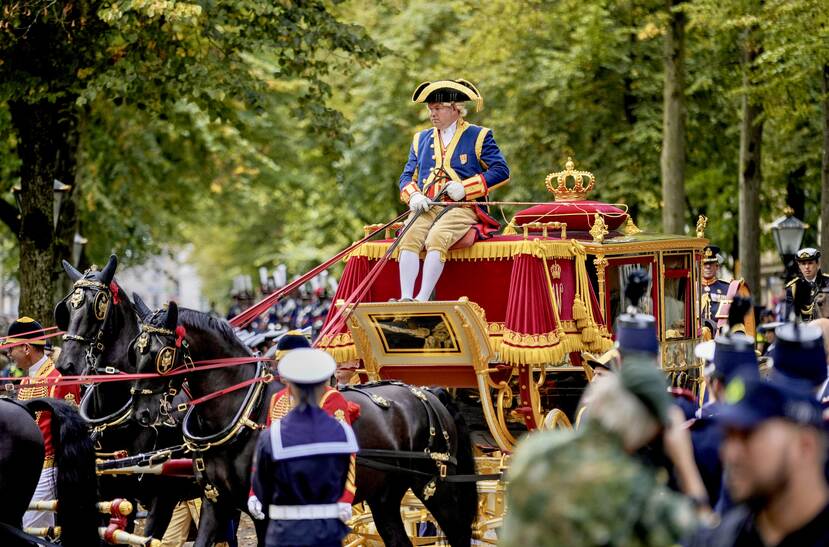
{"x":78,"y":243}
{"x":17,"y":200}
{"x":59,"y":189}
{"x":788,"y":233}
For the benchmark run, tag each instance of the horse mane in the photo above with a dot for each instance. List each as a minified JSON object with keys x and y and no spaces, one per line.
{"x":206,"y":322}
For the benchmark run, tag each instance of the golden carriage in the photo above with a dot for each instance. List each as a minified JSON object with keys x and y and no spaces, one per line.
{"x":512,"y":314}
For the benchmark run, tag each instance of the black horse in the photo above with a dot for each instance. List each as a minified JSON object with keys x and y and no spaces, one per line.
{"x":100,"y":322}
{"x":224,"y":467}
{"x":394,"y":418}
{"x":21,"y":460}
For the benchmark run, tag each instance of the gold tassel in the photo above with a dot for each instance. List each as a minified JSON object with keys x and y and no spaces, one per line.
{"x":510,"y":229}
{"x":579,"y":311}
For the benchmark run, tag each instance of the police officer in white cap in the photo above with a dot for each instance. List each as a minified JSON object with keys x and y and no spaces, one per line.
{"x":302,"y":461}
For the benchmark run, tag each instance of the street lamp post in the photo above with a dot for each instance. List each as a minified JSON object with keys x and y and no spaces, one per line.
{"x":788,"y":233}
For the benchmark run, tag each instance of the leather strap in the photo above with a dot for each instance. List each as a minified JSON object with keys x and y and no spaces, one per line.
{"x":722,"y":311}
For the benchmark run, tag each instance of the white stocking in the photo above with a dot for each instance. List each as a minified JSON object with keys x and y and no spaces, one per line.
{"x":409,"y":268}
{"x":432,"y":268}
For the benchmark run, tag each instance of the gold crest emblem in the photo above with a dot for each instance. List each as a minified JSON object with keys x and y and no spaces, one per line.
{"x":143,"y":342}
{"x":101,"y":305}
{"x":77,"y":298}
{"x":464,"y":158}
{"x":555,"y":271}
{"x":339,"y":415}
{"x":165,"y":359}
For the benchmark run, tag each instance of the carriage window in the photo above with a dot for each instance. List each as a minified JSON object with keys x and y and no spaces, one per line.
{"x":677,"y":297}
{"x":617,"y":280}
{"x":416,"y":333}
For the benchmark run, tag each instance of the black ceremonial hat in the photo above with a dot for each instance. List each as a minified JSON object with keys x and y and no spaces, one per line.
{"x":448,"y":91}
{"x":23,"y":330}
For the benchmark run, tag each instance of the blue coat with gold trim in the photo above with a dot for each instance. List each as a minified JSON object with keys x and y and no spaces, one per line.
{"x":472,"y":158}
{"x":712,"y":295}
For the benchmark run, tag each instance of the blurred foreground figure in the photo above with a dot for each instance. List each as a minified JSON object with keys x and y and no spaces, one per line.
{"x":585,"y":488}
{"x":774,"y":453}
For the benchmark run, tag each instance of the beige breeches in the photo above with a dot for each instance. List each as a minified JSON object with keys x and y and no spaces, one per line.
{"x":440,"y":235}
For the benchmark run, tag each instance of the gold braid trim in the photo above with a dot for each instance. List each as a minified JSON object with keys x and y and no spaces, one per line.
{"x":156,"y":330}
{"x":482,"y":250}
{"x":536,"y":349}
{"x":340,"y":346}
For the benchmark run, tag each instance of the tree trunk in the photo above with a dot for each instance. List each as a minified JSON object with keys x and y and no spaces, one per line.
{"x":46,"y":136}
{"x":750,"y":178}
{"x":673,"y":124}
{"x":824,"y":177}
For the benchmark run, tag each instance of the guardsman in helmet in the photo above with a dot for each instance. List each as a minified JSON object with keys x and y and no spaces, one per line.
{"x":331,"y":402}
{"x":29,"y":354}
{"x":454,"y":160}
{"x":302,"y":461}
{"x":718,"y":294}
{"x":802,"y":291}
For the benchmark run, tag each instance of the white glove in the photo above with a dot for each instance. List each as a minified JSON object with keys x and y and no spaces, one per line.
{"x":418,"y":202}
{"x":255,"y":508}
{"x":455,"y":190}
{"x":345,"y":511}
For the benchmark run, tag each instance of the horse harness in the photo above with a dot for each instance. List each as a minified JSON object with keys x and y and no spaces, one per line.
{"x":102,"y":305}
{"x":168,"y":358}
{"x":369,"y":457}
{"x":99,"y":425}
{"x":177,"y":356}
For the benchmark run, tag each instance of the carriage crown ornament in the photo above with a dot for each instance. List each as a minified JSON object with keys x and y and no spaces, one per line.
{"x":583,"y":182}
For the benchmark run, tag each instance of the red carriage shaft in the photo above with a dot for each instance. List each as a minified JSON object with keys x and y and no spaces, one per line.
{"x":254,"y":311}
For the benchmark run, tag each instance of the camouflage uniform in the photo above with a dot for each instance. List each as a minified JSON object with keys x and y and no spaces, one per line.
{"x":581,"y":488}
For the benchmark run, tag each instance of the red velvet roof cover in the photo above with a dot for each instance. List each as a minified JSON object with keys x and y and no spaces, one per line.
{"x":578,"y":215}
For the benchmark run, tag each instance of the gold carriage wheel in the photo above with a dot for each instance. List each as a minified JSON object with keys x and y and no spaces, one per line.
{"x":580,"y":415}
{"x":556,"y":418}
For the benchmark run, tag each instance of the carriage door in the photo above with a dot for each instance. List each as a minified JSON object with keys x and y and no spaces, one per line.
{"x":678,"y":329}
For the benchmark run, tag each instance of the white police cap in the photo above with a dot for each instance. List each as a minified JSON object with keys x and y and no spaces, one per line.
{"x":705,"y":350}
{"x":306,"y":366}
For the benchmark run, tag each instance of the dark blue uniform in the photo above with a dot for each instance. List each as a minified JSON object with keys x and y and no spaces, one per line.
{"x":712,"y":295}
{"x":706,"y":437}
{"x":302,"y":463}
{"x":801,"y":296}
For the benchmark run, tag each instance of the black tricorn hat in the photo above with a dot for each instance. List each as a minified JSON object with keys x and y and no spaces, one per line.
{"x":448,"y":91}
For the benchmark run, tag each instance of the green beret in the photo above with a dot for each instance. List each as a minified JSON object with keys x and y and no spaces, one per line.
{"x":643,"y":378}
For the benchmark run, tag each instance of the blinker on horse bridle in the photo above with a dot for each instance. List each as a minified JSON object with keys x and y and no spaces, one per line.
{"x":102,"y":308}
{"x":168,"y":359}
